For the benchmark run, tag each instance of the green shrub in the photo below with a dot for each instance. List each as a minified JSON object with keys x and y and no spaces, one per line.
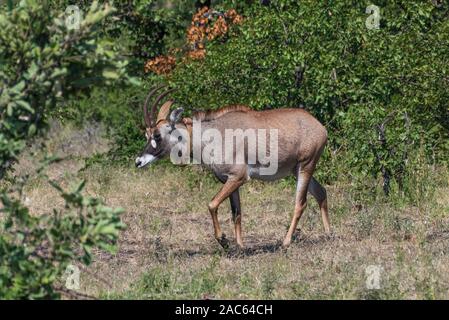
{"x":136,"y":24}
{"x":44,"y":60}
{"x":36,"y":250}
{"x":147,"y":28}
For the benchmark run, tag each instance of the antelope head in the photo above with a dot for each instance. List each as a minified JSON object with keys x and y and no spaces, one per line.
{"x":158,"y":132}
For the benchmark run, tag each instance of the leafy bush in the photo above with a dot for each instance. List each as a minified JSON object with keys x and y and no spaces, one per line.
{"x":147,"y":28}
{"x":36,"y":250}
{"x":44,"y":60}
{"x":135,"y":22}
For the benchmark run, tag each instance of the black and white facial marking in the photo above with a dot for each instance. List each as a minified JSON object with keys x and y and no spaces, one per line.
{"x":160,"y":140}
{"x":154,"y":148}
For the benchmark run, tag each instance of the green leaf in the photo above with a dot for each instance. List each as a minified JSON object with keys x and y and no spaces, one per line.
{"x":32,"y":130}
{"x":18,"y":88}
{"x":25,"y":105}
{"x":110,"y":74}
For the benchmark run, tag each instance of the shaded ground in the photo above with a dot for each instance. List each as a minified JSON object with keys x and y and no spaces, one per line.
{"x":168,"y":249}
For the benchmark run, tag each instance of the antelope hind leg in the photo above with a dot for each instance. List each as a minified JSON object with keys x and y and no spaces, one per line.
{"x":237,"y":216}
{"x":319,"y":193}
{"x":303,"y":178}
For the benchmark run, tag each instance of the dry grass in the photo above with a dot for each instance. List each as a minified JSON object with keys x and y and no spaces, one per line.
{"x":168,"y":249}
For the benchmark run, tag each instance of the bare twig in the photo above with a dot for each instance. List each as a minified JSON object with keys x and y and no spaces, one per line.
{"x":74,"y":294}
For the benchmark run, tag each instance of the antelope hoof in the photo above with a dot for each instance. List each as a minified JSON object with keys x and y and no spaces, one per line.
{"x":223,"y":241}
{"x":285,"y":248}
{"x":286,"y":244}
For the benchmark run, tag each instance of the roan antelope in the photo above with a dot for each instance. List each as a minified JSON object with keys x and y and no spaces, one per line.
{"x":301,"y":140}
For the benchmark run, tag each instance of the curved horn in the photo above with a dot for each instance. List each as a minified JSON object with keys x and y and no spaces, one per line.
{"x":164,"y":111}
{"x":162,"y":96}
{"x":146,"y":115}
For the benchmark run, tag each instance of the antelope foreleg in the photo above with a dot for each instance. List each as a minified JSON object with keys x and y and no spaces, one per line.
{"x":226,"y":190}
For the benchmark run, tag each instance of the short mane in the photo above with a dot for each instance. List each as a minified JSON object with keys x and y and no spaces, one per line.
{"x":214,"y":114}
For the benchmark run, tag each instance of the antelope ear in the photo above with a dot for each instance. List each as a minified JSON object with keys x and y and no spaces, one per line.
{"x":164,"y":111}
{"x":175,"y":115}
{"x":187,"y":121}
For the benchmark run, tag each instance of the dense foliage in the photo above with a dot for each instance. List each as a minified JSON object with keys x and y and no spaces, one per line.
{"x":43,"y":60}
{"x":35,"y":251}
{"x":145,"y":28}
